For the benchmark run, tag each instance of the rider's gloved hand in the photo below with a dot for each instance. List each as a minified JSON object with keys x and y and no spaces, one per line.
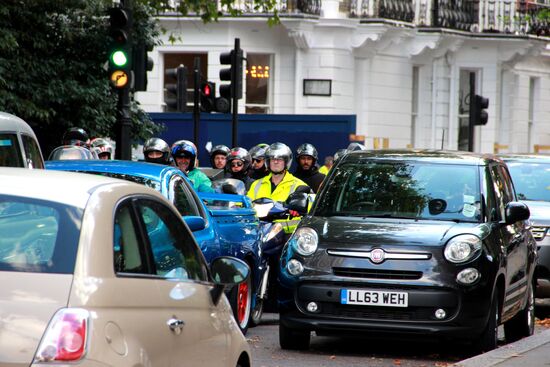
{"x":293,"y":213}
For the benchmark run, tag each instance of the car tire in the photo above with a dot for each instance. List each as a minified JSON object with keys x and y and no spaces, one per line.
{"x":241,"y":300}
{"x":489,"y":338}
{"x":523,"y":323}
{"x":293,"y":339}
{"x":257,"y":312}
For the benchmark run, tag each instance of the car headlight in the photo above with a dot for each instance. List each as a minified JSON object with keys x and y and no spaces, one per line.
{"x":462,"y":248}
{"x":305,"y":241}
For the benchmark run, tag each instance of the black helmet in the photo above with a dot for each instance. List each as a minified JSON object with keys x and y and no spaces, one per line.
{"x":352,"y":147}
{"x":307,"y":149}
{"x":101,"y":146}
{"x":240,"y":154}
{"x":279,"y":150}
{"x":217,"y":150}
{"x":65,"y":152}
{"x":339,"y":154}
{"x":157,"y":145}
{"x":184,"y":148}
{"x":76,"y":136}
{"x":258,"y":151}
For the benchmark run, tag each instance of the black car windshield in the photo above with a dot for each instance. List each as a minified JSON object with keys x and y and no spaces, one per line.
{"x":403,"y":190}
{"x":531,"y":180}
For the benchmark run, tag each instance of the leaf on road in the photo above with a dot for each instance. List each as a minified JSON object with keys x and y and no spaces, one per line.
{"x":397,"y":362}
{"x":332,"y":357}
{"x":544,"y":322}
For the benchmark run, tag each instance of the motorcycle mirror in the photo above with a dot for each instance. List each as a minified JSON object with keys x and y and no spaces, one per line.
{"x":298,"y":201}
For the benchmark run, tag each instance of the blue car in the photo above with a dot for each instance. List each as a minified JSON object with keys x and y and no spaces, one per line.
{"x":228,"y":228}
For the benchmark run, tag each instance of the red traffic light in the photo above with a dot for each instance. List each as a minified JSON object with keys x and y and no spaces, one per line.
{"x":206,"y":90}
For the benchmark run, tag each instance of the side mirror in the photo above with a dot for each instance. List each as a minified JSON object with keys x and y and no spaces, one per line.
{"x":298,"y":201}
{"x":194,"y":222}
{"x":227,"y":271}
{"x":516,"y":211}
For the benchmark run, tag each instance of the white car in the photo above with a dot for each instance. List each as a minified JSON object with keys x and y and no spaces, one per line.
{"x":103,"y":272}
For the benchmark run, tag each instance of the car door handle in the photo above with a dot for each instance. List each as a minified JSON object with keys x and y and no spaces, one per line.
{"x":175,"y":325}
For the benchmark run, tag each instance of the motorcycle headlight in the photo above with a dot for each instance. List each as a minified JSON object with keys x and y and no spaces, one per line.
{"x":273,"y":231}
{"x":462,"y":248}
{"x":305,"y":241}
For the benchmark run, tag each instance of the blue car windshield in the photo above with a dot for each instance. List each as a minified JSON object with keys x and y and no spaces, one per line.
{"x":531,"y":180}
{"x":403,"y":190}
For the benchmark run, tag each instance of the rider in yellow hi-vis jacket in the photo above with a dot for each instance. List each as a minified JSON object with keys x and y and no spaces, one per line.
{"x":279,"y":183}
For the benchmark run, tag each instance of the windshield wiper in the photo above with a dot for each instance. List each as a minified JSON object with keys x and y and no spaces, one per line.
{"x":384,"y":215}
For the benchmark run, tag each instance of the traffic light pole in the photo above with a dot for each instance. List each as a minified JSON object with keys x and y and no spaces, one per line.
{"x":123,"y":126}
{"x":196,"y":97}
{"x":235,"y":100}
{"x":471,"y":122}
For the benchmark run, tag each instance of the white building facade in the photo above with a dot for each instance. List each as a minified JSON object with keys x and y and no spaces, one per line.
{"x":403,"y":74}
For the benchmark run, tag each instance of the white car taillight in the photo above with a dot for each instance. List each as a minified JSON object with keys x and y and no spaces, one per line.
{"x":65,"y":337}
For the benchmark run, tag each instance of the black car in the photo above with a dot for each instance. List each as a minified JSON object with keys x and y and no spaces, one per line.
{"x":410,"y":244}
{"x":531,"y":176}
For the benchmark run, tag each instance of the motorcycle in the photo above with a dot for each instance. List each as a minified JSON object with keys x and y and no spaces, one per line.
{"x":272,"y":216}
{"x":273,"y":240}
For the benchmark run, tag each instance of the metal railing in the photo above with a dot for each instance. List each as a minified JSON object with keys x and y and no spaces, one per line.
{"x":503,"y":16}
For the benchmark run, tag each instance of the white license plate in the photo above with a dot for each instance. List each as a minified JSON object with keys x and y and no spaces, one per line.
{"x":374,"y":298}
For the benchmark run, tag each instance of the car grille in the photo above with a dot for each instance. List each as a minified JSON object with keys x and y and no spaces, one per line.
{"x":539,"y":232}
{"x":376,"y":273}
{"x":380,"y":313}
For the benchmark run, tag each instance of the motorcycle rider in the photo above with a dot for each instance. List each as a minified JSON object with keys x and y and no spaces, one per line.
{"x":76,"y":136}
{"x":279,"y":183}
{"x":218,"y":156}
{"x":185,"y":155}
{"x":329,"y":162}
{"x":238,"y":164}
{"x":156,"y":150}
{"x":102,"y":147}
{"x":307,"y":170}
{"x":258,"y":167}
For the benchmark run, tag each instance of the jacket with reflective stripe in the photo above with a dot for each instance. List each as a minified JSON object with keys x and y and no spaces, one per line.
{"x":261,"y":188}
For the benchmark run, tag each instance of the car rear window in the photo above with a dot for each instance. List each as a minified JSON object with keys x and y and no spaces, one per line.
{"x":403,"y":190}
{"x":10,"y":152}
{"x":38,"y":236}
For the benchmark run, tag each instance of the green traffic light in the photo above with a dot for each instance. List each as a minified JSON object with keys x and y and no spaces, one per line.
{"x":119,"y":58}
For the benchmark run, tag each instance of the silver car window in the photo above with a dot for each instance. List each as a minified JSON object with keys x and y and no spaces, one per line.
{"x":10,"y":152}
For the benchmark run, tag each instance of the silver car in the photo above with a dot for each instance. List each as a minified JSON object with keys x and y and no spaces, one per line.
{"x":531,"y":176}
{"x":104,"y":272}
{"x":18,"y":144}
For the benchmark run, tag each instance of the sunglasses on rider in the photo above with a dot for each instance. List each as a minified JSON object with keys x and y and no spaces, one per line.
{"x":255,"y":160}
{"x":237,"y":164}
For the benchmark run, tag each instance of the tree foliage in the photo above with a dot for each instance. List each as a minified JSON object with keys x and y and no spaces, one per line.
{"x":53,"y":55}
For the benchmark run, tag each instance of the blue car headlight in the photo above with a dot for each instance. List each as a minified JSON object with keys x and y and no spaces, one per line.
{"x":305,"y":241}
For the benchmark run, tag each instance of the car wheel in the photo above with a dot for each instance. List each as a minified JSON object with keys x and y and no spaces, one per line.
{"x":489,"y":338}
{"x":523,"y":323}
{"x":241,"y":296}
{"x":257,"y":312}
{"x":293,"y":339}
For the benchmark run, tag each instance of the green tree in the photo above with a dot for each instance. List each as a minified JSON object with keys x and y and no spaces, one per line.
{"x":52,"y":58}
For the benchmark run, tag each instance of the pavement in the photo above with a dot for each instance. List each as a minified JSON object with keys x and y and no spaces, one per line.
{"x":533,"y":351}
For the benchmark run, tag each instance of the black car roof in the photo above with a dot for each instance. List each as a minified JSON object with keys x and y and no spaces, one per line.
{"x":424,"y":155}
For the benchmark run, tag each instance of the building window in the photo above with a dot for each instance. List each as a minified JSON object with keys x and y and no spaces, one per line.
{"x":173,"y":60}
{"x":464,"y":109}
{"x":259,"y":72}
